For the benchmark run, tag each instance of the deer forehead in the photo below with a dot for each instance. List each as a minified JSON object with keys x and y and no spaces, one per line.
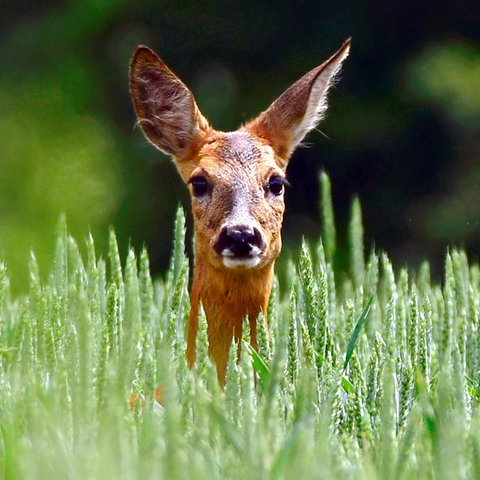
{"x":238,"y":167}
{"x":236,"y":157}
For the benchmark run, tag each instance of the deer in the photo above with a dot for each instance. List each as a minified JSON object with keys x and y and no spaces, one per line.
{"x":236,"y":182}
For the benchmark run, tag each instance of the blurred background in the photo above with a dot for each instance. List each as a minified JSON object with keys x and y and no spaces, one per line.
{"x":402,"y":131}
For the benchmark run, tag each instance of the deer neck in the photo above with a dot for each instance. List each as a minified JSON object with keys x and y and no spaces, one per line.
{"x":230,"y":295}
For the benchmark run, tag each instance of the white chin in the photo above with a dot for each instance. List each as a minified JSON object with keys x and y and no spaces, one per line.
{"x":243,"y":262}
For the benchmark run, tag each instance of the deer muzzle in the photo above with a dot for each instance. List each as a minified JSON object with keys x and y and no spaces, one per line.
{"x":241,"y":246}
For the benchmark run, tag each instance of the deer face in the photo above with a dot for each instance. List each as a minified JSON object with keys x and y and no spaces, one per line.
{"x":237,"y":192}
{"x":236,"y":179}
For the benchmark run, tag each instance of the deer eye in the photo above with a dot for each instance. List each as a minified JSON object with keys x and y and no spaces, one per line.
{"x":199,"y":186}
{"x":275,"y":184}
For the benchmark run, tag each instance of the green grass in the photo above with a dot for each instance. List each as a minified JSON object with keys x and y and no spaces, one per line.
{"x":369,"y":373}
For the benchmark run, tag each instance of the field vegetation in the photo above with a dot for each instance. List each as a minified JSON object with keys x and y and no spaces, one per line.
{"x":369,"y":373}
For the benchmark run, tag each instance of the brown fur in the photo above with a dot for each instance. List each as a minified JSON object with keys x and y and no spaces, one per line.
{"x":237,"y":167}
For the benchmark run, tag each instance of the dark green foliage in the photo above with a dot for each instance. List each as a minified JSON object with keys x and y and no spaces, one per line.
{"x":402,"y":125}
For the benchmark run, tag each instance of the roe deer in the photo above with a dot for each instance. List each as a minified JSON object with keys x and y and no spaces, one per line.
{"x":236,"y":181}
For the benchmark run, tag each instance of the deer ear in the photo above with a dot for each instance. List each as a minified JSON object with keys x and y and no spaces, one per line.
{"x":165,"y":107}
{"x":298,"y":110}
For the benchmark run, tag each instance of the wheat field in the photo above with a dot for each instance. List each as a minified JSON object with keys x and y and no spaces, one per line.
{"x":370,"y":373}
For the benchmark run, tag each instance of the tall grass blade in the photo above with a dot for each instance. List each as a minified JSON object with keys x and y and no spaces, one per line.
{"x":329,"y":234}
{"x":356,"y":244}
{"x":356,"y":332}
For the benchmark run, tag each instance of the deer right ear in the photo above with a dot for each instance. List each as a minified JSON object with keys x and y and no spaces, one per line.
{"x":165,"y":107}
{"x":299,"y":109}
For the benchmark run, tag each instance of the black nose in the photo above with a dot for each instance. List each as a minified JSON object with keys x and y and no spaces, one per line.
{"x":239,"y":240}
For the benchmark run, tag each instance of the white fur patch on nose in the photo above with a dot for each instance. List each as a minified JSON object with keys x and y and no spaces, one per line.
{"x":241,"y":262}
{"x":231,"y":260}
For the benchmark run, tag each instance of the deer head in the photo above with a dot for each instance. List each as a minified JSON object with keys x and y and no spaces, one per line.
{"x":236,"y":181}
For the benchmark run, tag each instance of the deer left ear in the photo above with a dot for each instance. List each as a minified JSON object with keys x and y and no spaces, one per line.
{"x":299,"y":109}
{"x":165,"y":107}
